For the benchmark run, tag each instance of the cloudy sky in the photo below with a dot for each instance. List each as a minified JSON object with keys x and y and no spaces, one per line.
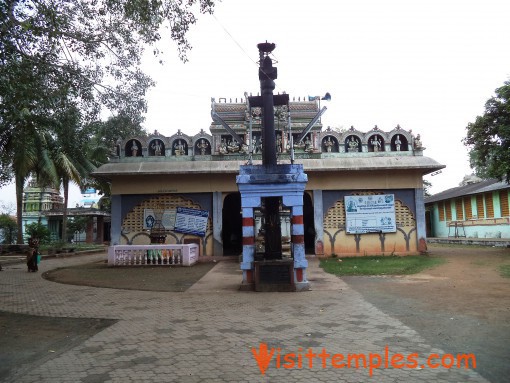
{"x":428,"y":66}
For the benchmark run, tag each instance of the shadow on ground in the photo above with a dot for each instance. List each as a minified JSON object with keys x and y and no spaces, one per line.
{"x":28,"y":341}
{"x":147,"y":278}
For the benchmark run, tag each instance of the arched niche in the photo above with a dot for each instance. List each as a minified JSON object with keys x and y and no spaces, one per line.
{"x":202,"y":147}
{"x":179,"y":147}
{"x":375,"y":143}
{"x":330,"y":144}
{"x":156,"y":148}
{"x":352,"y":144}
{"x":133,"y":148}
{"x":399,"y":143}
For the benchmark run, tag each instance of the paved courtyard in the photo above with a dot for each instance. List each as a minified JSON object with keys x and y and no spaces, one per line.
{"x":207,"y":333}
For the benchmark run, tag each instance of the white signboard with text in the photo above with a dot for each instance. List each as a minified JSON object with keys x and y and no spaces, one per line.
{"x":370,"y":214}
{"x":167,"y":219}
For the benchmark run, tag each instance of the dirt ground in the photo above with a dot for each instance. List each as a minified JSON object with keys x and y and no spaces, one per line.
{"x":460,"y":306}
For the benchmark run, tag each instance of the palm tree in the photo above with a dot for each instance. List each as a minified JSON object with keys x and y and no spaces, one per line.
{"x":69,"y":155}
{"x":29,"y":156}
{"x":25,"y":104}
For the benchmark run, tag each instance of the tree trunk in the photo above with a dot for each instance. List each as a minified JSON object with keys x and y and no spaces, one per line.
{"x":20,"y":182}
{"x":64,"y":214}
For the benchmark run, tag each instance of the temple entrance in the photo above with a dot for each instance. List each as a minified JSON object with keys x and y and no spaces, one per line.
{"x":309,"y":225}
{"x":232,"y":233}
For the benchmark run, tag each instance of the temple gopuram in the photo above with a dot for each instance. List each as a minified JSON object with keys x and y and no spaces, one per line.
{"x":364,"y":193}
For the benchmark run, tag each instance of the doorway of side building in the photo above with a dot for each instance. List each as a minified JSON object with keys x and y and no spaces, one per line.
{"x":232,"y":223}
{"x":428,"y":223}
{"x":309,"y":225}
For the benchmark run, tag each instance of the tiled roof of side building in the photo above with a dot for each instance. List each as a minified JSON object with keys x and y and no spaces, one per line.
{"x":475,"y":188}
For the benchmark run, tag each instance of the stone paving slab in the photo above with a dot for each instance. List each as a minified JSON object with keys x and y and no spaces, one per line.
{"x":208,"y":336}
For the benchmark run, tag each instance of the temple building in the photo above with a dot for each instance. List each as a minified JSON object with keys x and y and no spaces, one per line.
{"x":45,"y":205}
{"x":364,"y":190}
{"x":37,"y":201}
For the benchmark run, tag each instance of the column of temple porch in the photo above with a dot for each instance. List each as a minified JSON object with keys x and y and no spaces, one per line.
{"x":298,"y":248}
{"x":248,"y":247}
{"x":100,"y":229}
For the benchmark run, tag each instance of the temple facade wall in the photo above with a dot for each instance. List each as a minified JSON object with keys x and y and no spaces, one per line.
{"x":199,"y":172}
{"x":324,"y":215}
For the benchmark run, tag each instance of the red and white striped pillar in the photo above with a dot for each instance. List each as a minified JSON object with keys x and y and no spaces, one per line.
{"x":298,"y":244}
{"x":248,"y":245}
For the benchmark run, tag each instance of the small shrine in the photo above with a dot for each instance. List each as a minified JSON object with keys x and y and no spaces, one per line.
{"x":271,"y":188}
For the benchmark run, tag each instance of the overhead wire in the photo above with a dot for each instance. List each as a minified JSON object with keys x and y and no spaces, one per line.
{"x":241,"y":48}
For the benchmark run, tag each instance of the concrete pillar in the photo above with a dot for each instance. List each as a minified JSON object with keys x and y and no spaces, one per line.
{"x":89,"y":237}
{"x":298,"y":249}
{"x":248,"y":246}
{"x":421,"y":227}
{"x":298,"y":237}
{"x":217,"y":223}
{"x":100,"y":229}
{"x":116,"y":207}
{"x":318,"y":221}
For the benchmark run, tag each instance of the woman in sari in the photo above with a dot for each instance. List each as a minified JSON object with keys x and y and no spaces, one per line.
{"x":32,"y":253}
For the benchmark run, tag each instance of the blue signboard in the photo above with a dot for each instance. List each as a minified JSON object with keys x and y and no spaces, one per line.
{"x":191,"y":221}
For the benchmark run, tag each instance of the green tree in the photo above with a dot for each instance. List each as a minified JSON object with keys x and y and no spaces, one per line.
{"x":66,"y":150}
{"x":38,"y":231}
{"x":488,"y":138}
{"x":77,"y":225}
{"x":60,"y":53}
{"x":29,"y":156}
{"x":426,"y":188}
{"x":92,"y":49}
{"x":26,"y":110}
{"x":102,"y":139}
{"x":8,"y":229}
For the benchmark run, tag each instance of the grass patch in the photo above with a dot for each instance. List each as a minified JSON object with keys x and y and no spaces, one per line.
{"x":504,"y":270}
{"x":379,"y":265}
{"x":480,"y":263}
{"x":73,"y":246}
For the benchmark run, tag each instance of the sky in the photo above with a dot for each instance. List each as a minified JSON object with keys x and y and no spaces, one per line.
{"x":428,"y":66}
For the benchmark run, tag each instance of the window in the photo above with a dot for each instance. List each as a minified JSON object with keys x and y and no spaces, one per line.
{"x":467,"y":207}
{"x":479,"y":206}
{"x":489,"y":205}
{"x":458,"y":209}
{"x":503,"y":203}
{"x":448,"y":207}
{"x":440,"y":207}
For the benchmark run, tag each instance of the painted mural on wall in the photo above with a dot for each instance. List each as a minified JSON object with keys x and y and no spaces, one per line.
{"x":136,"y":230}
{"x":337,"y":240}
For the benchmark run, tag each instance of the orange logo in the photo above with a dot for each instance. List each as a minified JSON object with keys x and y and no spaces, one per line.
{"x":263,"y":358}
